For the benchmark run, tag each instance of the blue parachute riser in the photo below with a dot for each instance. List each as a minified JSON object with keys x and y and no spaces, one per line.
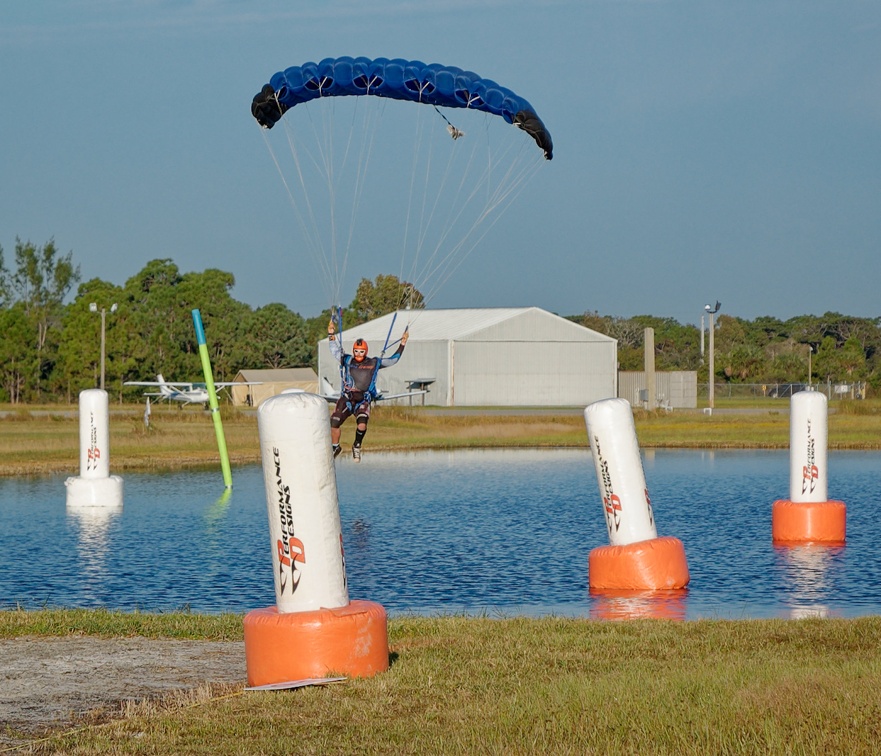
{"x":339,"y":318}
{"x":410,"y":80}
{"x":371,"y":392}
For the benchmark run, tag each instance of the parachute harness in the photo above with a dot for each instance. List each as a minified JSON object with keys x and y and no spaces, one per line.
{"x":371,"y":395}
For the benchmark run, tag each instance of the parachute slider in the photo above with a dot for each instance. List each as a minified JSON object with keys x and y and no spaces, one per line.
{"x":453,"y":131}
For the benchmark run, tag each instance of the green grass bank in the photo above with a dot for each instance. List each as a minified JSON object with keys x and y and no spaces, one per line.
{"x":515,"y":685}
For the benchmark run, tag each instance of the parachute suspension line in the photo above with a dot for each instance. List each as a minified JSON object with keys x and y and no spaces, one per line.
{"x":450,"y":220}
{"x":470,"y":242}
{"x":369,"y":118}
{"x":308,"y":228}
{"x":339,"y":319}
{"x":422,"y":166}
{"x":326,"y":146}
{"x":453,"y":218}
{"x":500,"y":194}
{"x":424,"y":216}
{"x":446,"y":228}
{"x":329,"y":243}
{"x":408,"y":213}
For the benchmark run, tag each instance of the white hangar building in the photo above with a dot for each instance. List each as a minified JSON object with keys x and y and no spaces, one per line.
{"x":502,"y":357}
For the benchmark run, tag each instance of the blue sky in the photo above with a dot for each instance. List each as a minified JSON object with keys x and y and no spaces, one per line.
{"x":703,"y":150}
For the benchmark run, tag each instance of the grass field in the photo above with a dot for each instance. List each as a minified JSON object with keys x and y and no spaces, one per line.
{"x":520,"y":686}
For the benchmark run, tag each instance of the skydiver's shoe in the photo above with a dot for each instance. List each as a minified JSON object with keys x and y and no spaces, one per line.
{"x":356,"y":453}
{"x":337,"y":450}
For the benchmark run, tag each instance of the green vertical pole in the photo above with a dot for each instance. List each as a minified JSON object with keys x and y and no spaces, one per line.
{"x":212,"y":399}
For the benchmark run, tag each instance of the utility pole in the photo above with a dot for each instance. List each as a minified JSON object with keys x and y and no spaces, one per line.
{"x":93,"y":307}
{"x":711,"y":377}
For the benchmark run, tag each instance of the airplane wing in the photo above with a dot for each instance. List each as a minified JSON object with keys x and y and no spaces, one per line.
{"x":383,"y":397}
{"x":184,"y":386}
{"x":188,"y":386}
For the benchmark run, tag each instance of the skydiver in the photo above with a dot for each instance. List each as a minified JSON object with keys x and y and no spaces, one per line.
{"x":359,"y":387}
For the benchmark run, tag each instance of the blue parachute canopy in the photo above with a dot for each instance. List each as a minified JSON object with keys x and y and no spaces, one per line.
{"x":411,"y":80}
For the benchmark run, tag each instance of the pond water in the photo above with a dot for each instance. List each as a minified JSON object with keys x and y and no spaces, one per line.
{"x":497,"y":532}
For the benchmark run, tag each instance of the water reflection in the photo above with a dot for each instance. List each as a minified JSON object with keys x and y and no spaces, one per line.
{"x":216,"y":513}
{"x":627,"y":605}
{"x":93,"y":526}
{"x":809,"y":575}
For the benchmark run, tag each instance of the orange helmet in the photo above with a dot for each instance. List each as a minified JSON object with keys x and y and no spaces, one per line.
{"x":360,"y":346}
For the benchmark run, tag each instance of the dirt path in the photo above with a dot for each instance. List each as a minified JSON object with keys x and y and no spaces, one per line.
{"x":47,"y":682}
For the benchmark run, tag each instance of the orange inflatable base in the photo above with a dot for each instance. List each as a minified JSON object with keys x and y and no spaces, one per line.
{"x":351,"y":640}
{"x":655,"y":564}
{"x":809,"y":522}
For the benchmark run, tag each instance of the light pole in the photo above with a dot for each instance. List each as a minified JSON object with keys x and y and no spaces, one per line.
{"x":711,"y":383}
{"x":810,"y":372}
{"x":93,"y":307}
{"x":702,"y":338}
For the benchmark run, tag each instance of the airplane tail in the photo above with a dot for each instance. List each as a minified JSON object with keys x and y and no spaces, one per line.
{"x":164,"y":388}
{"x":328,"y":391}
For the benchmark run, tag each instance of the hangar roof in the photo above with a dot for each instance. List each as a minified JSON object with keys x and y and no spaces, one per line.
{"x":479,"y":324}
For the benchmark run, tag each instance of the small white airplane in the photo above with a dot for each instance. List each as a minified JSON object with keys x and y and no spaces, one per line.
{"x":184,"y":392}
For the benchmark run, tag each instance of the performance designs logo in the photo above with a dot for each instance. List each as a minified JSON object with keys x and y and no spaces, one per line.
{"x":93,"y":453}
{"x":810,"y":474}
{"x":611,"y":501}
{"x":290,"y":549}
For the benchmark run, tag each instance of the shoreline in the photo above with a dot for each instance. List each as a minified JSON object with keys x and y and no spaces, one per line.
{"x":44,"y":440}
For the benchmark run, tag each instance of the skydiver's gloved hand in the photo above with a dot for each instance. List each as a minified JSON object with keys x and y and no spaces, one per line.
{"x":331,"y":329}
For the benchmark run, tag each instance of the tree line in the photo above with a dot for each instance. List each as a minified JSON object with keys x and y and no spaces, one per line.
{"x":834,"y":347}
{"x":50,"y":347}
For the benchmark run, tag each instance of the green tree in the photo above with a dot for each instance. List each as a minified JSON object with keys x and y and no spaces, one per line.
{"x":41,"y":280}
{"x":826,"y":364}
{"x":743,"y":363}
{"x":161,"y":322}
{"x":224,"y":318}
{"x":385,"y":294}
{"x":853,"y":359}
{"x":277,"y":338}
{"x":17,"y":353}
{"x":677,"y":346}
{"x":79,"y":352}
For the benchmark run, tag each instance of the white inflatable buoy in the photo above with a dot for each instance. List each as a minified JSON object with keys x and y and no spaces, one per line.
{"x":314,"y":628}
{"x":95,"y":486}
{"x":808,"y":515}
{"x":636,"y":559}
{"x":626,"y":502}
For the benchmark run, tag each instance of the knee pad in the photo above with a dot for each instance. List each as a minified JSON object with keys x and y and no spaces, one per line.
{"x":335,"y":422}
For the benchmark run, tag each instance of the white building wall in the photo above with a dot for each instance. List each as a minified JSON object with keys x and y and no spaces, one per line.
{"x":676,"y":389}
{"x":534,"y":374}
{"x":491,"y":357}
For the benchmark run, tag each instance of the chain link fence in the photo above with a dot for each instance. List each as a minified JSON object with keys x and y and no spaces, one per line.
{"x":856,"y":390}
